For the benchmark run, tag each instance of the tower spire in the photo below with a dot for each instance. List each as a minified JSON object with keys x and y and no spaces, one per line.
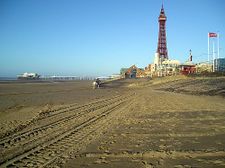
{"x":162,"y":44}
{"x":190,"y":56}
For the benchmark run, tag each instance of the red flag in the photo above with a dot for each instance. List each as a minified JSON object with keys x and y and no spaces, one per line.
{"x":212,"y":35}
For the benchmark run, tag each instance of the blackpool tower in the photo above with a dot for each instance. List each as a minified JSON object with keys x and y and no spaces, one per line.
{"x":162,"y":52}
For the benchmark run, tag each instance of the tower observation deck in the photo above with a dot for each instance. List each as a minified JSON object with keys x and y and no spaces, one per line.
{"x":162,"y":46}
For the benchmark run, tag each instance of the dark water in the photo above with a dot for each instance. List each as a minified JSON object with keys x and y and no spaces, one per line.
{"x":8,"y":78}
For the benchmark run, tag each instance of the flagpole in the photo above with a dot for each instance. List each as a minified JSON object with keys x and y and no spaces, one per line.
{"x":208,"y":47}
{"x":213,"y":57}
{"x":218,"y":43}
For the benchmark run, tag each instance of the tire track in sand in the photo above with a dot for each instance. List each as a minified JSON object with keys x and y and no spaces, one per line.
{"x":68,"y":129}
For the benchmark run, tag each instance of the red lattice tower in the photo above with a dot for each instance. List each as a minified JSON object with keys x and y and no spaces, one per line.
{"x":162,"y":47}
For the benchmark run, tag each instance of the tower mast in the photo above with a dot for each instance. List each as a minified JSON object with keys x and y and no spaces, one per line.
{"x":162,"y":44}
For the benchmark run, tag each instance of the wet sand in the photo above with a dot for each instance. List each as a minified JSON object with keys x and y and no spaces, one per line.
{"x":23,"y":102}
{"x":127,"y":123}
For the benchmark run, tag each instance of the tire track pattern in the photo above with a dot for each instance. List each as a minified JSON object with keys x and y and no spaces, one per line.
{"x":42,"y":145}
{"x":58,"y":117}
{"x":62,"y":117}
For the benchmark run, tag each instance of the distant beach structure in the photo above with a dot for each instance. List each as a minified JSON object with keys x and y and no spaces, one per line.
{"x":66,"y":77}
{"x":36,"y":76}
{"x":28,"y":76}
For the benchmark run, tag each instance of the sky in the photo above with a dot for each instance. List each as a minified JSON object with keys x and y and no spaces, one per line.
{"x":98,"y":37}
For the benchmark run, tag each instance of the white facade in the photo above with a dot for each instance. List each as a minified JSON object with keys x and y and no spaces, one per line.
{"x":156,"y":59}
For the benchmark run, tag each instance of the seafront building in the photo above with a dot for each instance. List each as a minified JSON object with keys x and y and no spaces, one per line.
{"x":163,"y":66}
{"x":188,"y":67}
{"x":219,"y":65}
{"x":132,"y":72}
{"x":204,"y":67}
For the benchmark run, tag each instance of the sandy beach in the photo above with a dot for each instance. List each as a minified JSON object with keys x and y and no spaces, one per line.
{"x":169,"y":122}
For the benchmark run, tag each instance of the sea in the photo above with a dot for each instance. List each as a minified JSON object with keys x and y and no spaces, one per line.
{"x":14,"y":79}
{"x":8,"y":78}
